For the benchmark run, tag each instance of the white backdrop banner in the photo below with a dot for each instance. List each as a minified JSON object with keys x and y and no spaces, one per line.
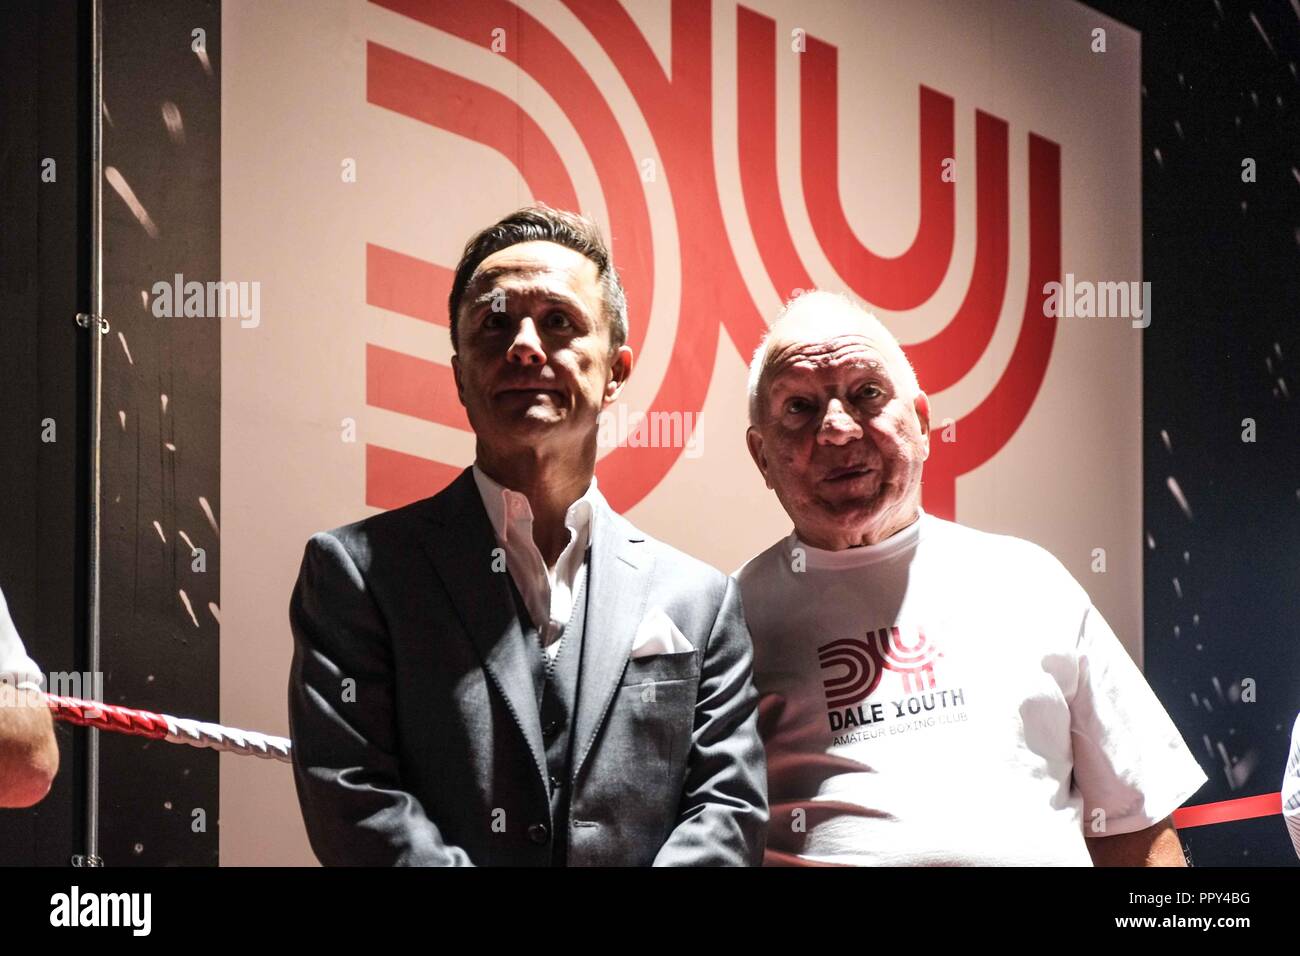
{"x":943,"y":163}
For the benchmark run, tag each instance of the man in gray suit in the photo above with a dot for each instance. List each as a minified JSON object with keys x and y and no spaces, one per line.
{"x":508,"y":672}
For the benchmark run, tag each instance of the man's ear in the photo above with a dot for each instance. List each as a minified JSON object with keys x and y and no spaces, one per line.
{"x":620,"y":368}
{"x":754,"y":442}
{"x":455,"y":373}
{"x":922,"y":406}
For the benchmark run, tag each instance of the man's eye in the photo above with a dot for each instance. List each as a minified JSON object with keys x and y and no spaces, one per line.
{"x":558,"y":320}
{"x":494,"y":320}
{"x":870,"y":392}
{"x":796,"y":406}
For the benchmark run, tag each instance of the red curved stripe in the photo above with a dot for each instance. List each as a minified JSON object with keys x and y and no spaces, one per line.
{"x":680,"y":117}
{"x":637,"y":64}
{"x":394,"y":478}
{"x":407,"y":285}
{"x":948,"y":356}
{"x":434,"y":96}
{"x":996,"y":419}
{"x":413,"y":386}
{"x":711,"y":285}
{"x":756,"y":134}
{"x":535,"y":50}
{"x":629,"y":474}
{"x":989,"y":426}
{"x":896,"y":283}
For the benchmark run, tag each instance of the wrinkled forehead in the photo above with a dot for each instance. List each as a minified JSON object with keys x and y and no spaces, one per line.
{"x":802,"y":353}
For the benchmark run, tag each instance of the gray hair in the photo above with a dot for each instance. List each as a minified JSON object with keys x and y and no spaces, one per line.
{"x":822,"y":299}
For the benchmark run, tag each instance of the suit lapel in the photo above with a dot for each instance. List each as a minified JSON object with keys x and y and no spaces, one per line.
{"x":460,"y":547}
{"x":618,"y":582}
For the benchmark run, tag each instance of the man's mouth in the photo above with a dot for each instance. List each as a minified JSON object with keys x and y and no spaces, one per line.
{"x":846,"y":474}
{"x":530,"y":390}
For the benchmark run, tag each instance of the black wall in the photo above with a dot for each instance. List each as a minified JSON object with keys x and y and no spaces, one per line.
{"x":1223,"y":258}
{"x":160,"y":802}
{"x":44,"y":271}
{"x":155,"y":656}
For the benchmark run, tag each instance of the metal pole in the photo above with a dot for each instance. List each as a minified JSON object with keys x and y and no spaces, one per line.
{"x":98,"y":328}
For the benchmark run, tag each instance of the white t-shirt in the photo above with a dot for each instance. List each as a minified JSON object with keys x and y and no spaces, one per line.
{"x":15,"y":666}
{"x":949,"y":697}
{"x":1291,"y":789}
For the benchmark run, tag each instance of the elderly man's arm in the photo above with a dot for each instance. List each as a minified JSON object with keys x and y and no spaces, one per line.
{"x":722,"y":820}
{"x":1157,"y":845}
{"x":1130,"y":762}
{"x":29,"y":754}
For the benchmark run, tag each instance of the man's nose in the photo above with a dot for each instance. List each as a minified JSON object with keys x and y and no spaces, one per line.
{"x":526,"y":349}
{"x":838,"y":427}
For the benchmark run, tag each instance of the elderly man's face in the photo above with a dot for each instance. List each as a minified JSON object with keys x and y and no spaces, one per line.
{"x":533,"y":363}
{"x":842,"y":448}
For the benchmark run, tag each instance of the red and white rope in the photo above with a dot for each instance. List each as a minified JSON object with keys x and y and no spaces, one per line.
{"x":175,"y":730}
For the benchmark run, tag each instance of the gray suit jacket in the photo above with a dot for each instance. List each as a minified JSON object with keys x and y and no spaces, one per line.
{"x":416,"y":736}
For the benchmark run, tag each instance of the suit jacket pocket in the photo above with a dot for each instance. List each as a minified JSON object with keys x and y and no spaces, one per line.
{"x":662,"y":667}
{"x":651,"y":723}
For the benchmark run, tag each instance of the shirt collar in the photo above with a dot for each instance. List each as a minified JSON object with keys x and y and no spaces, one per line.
{"x":896,"y":544}
{"x":508,"y":508}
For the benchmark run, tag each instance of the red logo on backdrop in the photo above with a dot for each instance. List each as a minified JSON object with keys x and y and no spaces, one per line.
{"x":865,"y":661}
{"x":679,"y":114}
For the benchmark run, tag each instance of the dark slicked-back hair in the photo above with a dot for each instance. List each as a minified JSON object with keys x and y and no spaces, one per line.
{"x":542,"y":223}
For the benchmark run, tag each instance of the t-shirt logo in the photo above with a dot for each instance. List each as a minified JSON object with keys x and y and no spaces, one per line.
{"x":911,"y":654}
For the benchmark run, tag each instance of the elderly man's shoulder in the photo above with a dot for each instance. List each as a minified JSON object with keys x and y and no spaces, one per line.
{"x":762,"y":566}
{"x":997,"y":552}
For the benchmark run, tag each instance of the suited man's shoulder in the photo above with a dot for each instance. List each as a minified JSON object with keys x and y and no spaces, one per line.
{"x":685,"y":570}
{"x":396,"y":529}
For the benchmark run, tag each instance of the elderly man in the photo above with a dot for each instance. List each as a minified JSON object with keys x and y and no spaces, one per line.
{"x":930,"y":694}
{"x":508,"y":672}
{"x":29,"y":753}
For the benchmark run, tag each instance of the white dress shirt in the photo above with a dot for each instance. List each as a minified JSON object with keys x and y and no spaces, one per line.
{"x":16,"y":667}
{"x":547,"y":591}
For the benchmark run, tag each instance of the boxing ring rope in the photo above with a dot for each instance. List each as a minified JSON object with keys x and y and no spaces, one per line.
{"x":198,"y":733}
{"x":174,"y":730}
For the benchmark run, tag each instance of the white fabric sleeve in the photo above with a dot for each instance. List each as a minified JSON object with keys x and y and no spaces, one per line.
{"x":1291,"y":789}
{"x":1129,"y":759}
{"x":15,"y":666}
